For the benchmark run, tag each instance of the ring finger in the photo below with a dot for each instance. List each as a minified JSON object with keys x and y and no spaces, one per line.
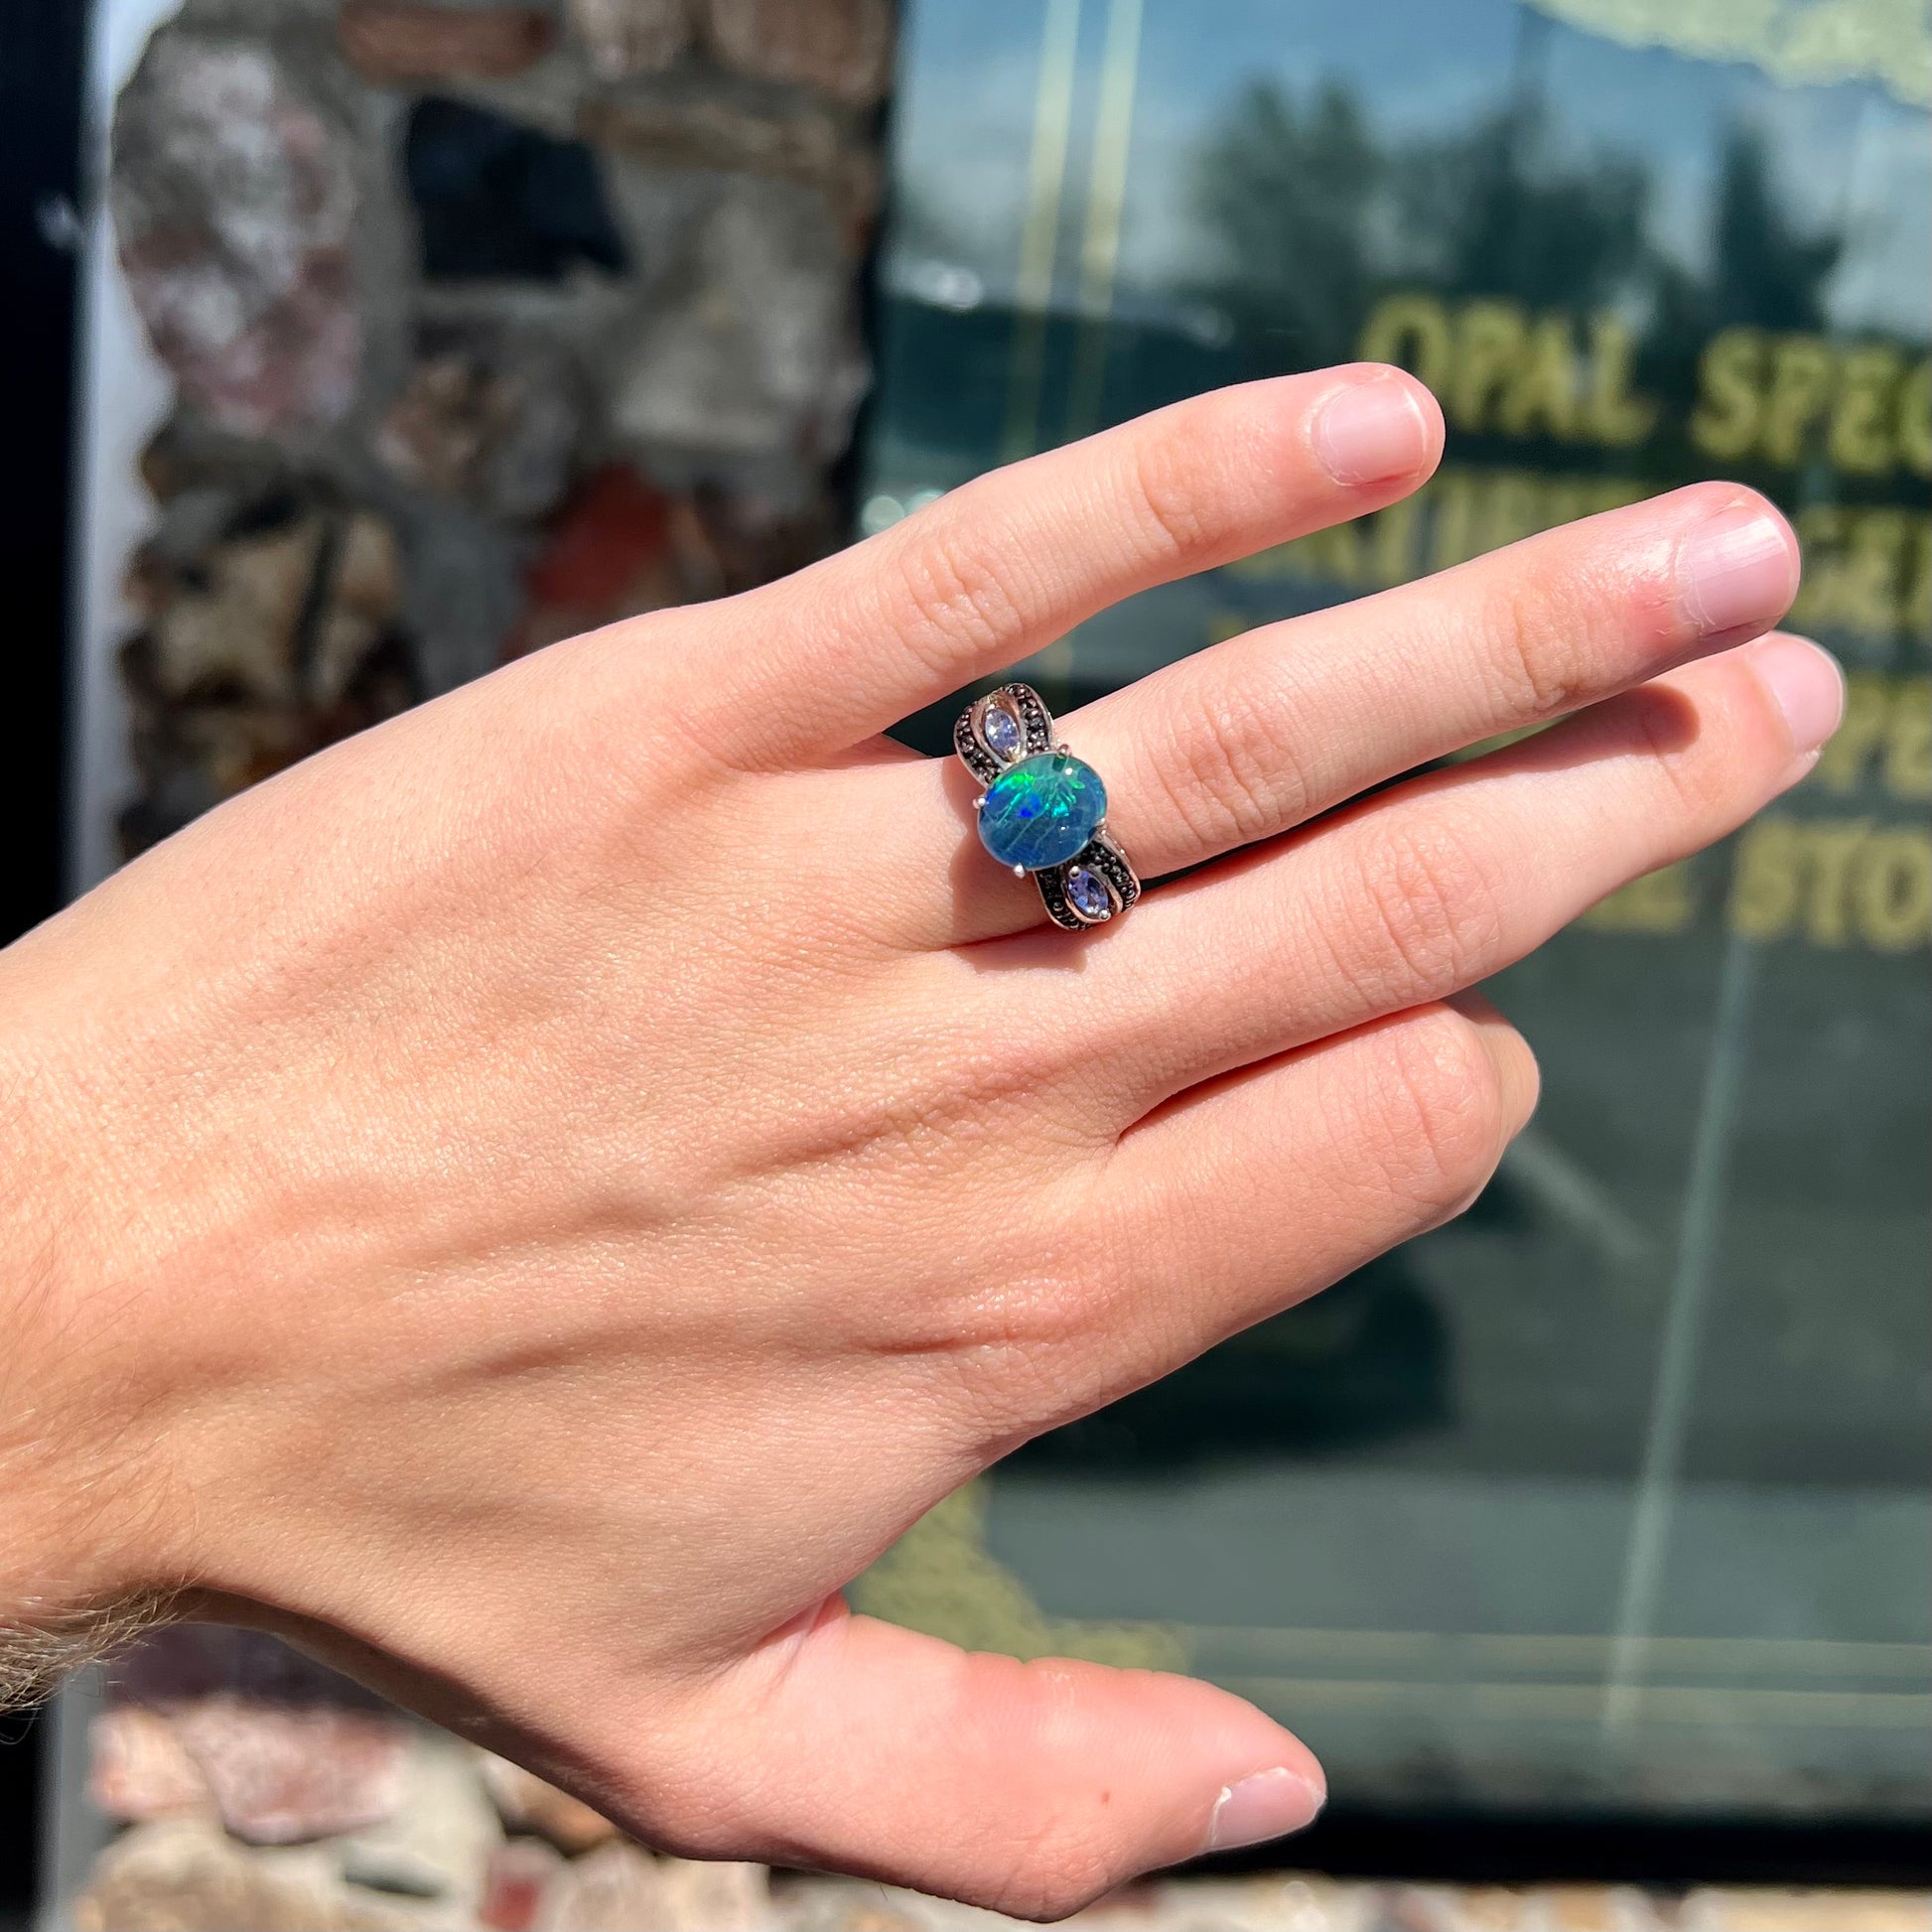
{"x":1428,"y":889}
{"x":1257,"y":735}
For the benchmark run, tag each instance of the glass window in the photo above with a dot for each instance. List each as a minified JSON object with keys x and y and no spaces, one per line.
{"x":1611,"y":1496}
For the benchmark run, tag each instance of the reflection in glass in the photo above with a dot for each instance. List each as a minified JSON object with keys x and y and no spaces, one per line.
{"x":1612,"y":1495}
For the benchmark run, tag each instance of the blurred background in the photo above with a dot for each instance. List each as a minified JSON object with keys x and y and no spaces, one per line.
{"x":364,"y":345}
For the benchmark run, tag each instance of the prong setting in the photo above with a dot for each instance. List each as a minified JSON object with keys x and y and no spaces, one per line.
{"x":1004,"y":727}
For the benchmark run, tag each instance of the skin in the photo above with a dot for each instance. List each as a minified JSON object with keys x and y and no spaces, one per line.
{"x":529,"y":1202}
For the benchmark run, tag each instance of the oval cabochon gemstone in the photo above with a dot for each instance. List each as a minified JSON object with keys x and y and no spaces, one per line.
{"x":1043,"y":810}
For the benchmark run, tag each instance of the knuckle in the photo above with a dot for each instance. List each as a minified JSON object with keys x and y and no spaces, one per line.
{"x":1062,"y":1862}
{"x":1015,"y":1350}
{"x":1044,"y":1897}
{"x":1442,"y":1124}
{"x":950,"y":604}
{"x":1164,"y":490}
{"x":1696,"y":787}
{"x":1227,"y":778}
{"x":1435,"y":908}
{"x":1531,"y":679}
{"x":1023,"y":1352}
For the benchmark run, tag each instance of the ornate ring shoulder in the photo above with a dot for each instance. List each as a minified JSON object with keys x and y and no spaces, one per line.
{"x":1042,"y":812}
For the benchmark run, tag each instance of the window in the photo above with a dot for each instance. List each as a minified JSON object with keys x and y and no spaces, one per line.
{"x":1610,"y":1498}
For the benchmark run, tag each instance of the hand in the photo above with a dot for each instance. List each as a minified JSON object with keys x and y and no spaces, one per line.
{"x":532,"y":1200}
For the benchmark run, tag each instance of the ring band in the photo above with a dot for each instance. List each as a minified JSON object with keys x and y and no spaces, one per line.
{"x":1043,"y":811}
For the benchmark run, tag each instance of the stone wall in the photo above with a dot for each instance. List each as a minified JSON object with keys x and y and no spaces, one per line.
{"x":488,"y":324}
{"x":259,"y":1793}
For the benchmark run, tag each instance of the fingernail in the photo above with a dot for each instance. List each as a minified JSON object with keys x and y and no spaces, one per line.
{"x":1266,"y":1805}
{"x":1741,"y":569}
{"x":1370,"y":432}
{"x":1805,"y":683}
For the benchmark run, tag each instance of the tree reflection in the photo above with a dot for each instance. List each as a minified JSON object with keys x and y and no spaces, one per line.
{"x":1497,"y":209}
{"x":1290,"y":195}
{"x":1311,"y":216}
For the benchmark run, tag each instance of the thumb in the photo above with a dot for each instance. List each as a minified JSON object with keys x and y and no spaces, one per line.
{"x":1026,"y":1787}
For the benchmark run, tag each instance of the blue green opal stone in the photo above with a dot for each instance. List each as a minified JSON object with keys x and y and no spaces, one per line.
{"x":1043,"y":810}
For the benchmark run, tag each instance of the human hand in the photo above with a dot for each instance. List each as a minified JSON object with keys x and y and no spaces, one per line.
{"x":531,"y":1202}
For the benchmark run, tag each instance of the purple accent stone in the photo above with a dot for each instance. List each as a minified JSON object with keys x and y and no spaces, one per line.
{"x":1087,"y":894}
{"x":1000,"y":732}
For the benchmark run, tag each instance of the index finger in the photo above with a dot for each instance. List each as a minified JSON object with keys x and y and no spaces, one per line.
{"x":1004,"y":565}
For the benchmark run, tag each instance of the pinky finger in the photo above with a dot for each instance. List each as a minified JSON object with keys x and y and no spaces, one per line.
{"x":1251,"y":1192}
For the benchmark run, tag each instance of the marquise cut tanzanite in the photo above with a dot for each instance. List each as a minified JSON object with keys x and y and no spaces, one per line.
{"x":1043,"y":810}
{"x":1000,"y":730}
{"x":1086,"y":893}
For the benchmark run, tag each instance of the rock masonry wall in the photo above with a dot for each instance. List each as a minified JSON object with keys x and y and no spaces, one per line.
{"x":488,"y":324}
{"x":259,"y":1793}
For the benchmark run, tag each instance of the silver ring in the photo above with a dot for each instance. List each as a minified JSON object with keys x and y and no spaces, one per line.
{"x":1043,"y":811}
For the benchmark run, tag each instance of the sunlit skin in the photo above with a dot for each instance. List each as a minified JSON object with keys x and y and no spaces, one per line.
{"x":531,"y":1202}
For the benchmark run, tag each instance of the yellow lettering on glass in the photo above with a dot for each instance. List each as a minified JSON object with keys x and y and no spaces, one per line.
{"x":1731,"y":377}
{"x":1863,"y":418}
{"x":1659,"y":903}
{"x":1412,"y":331}
{"x":1832,"y":882}
{"x":1915,"y":419}
{"x":1796,"y":401}
{"x":1891,"y":887}
{"x":1540,"y":399}
{"x":1908,"y":739}
{"x":1864,"y":570}
{"x":1886,"y":734}
{"x":1614,"y":414}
